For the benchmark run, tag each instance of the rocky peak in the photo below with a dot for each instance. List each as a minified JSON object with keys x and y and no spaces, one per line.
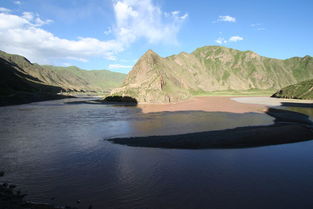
{"x":143,"y":68}
{"x":147,"y":61}
{"x":150,"y":56}
{"x":150,"y":52}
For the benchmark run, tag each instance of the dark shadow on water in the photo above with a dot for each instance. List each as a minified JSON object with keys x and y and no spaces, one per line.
{"x":294,"y":104}
{"x":288,"y":127}
{"x":287,"y":116}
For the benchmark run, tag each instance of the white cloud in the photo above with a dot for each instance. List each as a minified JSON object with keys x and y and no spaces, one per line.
{"x":257,"y":26}
{"x":235,"y":38}
{"x":66,"y":64}
{"x":78,"y":59}
{"x":184,"y":16}
{"x":23,"y":35}
{"x":4,"y":10}
{"x":175,"y":12}
{"x":119,"y":66}
{"x":27,"y":20}
{"x":34,"y":19}
{"x":108,"y":31}
{"x":135,"y":19}
{"x":28,"y":16}
{"x":8,"y":21}
{"x":17,"y":2}
{"x":226,"y":19}
{"x":222,"y":40}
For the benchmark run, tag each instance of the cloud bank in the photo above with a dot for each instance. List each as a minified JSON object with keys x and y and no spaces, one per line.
{"x":135,"y":20}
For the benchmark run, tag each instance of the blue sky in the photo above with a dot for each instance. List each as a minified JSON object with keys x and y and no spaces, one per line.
{"x":113,"y":34}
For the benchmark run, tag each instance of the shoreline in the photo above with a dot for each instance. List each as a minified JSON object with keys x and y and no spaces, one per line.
{"x":205,"y":103}
{"x":27,"y":98}
{"x":242,"y":137}
{"x":288,"y":127}
{"x":272,"y":101}
{"x":12,"y":198}
{"x":233,"y":104}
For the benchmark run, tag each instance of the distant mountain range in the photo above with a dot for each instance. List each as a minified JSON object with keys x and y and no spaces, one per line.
{"x":22,"y":81}
{"x":212,"y":68}
{"x":159,"y":80}
{"x":302,"y":90}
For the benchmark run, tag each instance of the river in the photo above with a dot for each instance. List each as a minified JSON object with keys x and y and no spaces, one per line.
{"x":57,"y":153}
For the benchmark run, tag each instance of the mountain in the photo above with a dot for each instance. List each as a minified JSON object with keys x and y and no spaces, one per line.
{"x":22,"y":81}
{"x":155,"y":79}
{"x":68,"y":78}
{"x":74,"y":79}
{"x":302,"y":90}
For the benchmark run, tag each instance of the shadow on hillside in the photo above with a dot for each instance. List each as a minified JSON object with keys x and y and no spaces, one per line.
{"x":18,"y":87}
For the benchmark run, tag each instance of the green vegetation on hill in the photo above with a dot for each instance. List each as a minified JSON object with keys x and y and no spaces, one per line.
{"x":208,"y":70}
{"x":18,"y":87}
{"x":69,"y":78}
{"x":302,"y":90}
{"x":22,"y":81}
{"x":94,"y":80}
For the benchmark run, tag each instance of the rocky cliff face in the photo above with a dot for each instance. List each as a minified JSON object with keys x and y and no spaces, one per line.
{"x":150,"y":82}
{"x":161,"y":80}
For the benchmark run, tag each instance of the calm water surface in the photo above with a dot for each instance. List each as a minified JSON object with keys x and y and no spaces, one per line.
{"x":51,"y":149}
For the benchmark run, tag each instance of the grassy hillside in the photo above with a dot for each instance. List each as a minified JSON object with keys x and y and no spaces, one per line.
{"x":68,"y":78}
{"x":302,"y":90}
{"x":18,"y":87}
{"x":210,"y":69}
{"x":22,"y":81}
{"x":94,"y":80}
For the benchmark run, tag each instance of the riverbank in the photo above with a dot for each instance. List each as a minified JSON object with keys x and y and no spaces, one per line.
{"x":205,"y":103}
{"x":12,"y":198}
{"x":270,"y":101}
{"x":26,"y":97}
{"x":288,"y":127}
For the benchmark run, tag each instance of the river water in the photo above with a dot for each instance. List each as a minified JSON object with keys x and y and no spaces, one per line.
{"x":58,"y":153}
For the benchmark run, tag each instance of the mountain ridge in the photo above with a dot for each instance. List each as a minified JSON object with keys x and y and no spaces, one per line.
{"x":22,"y":81}
{"x":69,"y":78}
{"x":155,"y":79}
